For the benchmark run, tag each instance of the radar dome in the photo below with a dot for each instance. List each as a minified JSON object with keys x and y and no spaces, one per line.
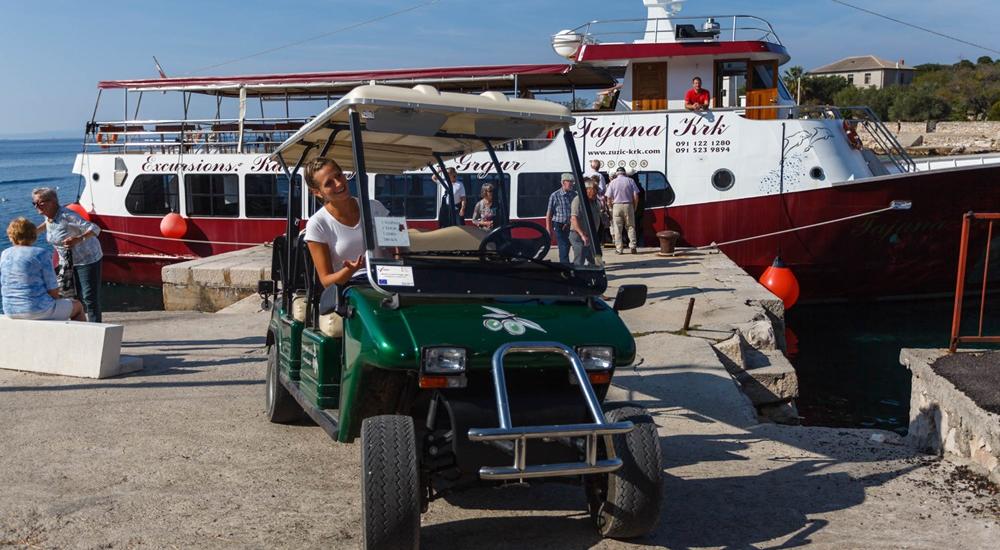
{"x":567,"y":43}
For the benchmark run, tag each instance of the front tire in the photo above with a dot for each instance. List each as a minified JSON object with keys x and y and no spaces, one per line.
{"x":282,"y":408}
{"x":626,"y":503}
{"x":390,"y":484}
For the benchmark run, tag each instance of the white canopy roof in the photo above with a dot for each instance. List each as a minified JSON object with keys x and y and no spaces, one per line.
{"x":404,"y":127}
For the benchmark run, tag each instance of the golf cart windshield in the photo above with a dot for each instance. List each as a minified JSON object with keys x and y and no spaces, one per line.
{"x":388,"y":130}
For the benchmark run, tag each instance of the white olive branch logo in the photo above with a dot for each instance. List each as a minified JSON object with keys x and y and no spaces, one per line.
{"x":505,"y":320}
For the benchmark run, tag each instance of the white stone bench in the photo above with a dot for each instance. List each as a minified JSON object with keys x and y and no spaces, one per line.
{"x":67,"y":348}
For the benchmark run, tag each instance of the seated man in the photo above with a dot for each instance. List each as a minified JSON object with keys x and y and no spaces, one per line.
{"x":697,"y":98}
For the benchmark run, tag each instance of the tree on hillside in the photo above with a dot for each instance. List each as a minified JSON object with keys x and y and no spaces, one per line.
{"x":820,"y":90}
{"x":877,"y":100}
{"x":919,"y":102}
{"x":984,"y":60}
{"x":964,"y":64}
{"x":791,"y":79}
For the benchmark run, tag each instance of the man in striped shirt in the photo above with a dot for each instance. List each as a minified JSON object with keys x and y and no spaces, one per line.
{"x":558,"y":213}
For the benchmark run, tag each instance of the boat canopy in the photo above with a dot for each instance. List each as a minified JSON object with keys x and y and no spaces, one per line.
{"x":409,"y":128}
{"x":473,"y":78}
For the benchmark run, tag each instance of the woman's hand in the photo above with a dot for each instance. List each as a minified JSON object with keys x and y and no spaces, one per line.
{"x":355,"y":265}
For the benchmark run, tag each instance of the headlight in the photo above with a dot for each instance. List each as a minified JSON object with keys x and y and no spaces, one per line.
{"x":444,"y":360}
{"x":596,"y":357}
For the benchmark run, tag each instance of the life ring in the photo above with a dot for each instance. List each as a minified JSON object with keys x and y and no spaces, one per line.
{"x":106,"y":140}
{"x":852,"y":135}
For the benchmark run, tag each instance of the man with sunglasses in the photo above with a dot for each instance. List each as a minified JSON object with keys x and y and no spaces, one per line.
{"x":75,"y":239}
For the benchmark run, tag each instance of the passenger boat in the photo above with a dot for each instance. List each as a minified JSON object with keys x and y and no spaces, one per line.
{"x":830,"y":189}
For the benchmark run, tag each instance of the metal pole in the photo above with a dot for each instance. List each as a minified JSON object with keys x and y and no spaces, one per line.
{"x":291,"y":229}
{"x":986,"y":272}
{"x":448,"y":190}
{"x":574,"y":160}
{"x":362,"y":179}
{"x":501,"y":194}
{"x":963,"y":252}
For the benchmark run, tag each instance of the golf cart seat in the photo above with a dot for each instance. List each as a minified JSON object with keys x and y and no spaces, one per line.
{"x":331,"y":325}
{"x":456,"y":237}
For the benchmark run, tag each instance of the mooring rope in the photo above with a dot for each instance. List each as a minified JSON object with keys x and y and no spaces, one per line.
{"x":180,"y":240}
{"x":894,"y":205}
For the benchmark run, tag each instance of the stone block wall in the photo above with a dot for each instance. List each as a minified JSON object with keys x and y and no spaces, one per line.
{"x":945,"y":421}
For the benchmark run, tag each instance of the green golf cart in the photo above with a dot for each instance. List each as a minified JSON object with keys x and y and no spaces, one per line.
{"x":461,"y":357}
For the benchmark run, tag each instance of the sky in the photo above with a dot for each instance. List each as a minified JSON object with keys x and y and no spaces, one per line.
{"x":53,"y":52}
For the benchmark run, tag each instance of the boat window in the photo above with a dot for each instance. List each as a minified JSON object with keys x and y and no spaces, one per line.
{"x":267,"y":196}
{"x":730,"y":84}
{"x":212,"y":194}
{"x":153,"y":194}
{"x":658,"y":190}
{"x":764,"y":76}
{"x":723,"y":179}
{"x":474,"y":185}
{"x":533,"y":192}
{"x":413,"y":196}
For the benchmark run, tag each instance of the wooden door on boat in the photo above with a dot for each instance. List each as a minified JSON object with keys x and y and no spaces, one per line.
{"x":762,"y":90}
{"x":649,"y":86}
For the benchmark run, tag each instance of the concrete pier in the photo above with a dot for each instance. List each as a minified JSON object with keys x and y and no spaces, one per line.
{"x":181,"y":455}
{"x":212,"y":283}
{"x":955,"y":406}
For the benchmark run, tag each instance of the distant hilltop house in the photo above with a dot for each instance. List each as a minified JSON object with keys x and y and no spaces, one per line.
{"x":868,"y":71}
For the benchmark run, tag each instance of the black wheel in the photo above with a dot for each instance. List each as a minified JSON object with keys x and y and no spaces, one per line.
{"x":390,"y":484}
{"x":626,"y":503}
{"x":521,"y":248}
{"x":281,"y":406}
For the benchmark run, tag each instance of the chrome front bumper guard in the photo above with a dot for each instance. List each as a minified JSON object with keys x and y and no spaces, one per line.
{"x":519,"y":436}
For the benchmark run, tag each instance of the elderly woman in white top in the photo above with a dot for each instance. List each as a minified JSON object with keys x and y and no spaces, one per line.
{"x":75,"y":239}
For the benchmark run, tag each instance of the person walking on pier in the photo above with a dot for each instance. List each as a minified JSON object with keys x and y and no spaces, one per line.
{"x":557,"y":215}
{"x":75,"y":240}
{"x":622,"y":197}
{"x":579,"y":236}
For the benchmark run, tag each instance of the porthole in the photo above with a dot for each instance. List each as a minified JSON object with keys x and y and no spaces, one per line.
{"x":817,"y":173}
{"x":723,"y":179}
{"x":95,"y":176}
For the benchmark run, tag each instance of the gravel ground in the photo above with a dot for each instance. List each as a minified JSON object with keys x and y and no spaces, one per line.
{"x":180,"y":456}
{"x":976,"y":374}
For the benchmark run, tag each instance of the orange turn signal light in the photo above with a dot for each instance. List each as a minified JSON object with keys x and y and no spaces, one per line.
{"x":599,"y":377}
{"x":437,"y":382}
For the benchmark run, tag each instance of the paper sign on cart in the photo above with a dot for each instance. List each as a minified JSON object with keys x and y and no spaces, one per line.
{"x":391,"y":231}
{"x":394,"y":275}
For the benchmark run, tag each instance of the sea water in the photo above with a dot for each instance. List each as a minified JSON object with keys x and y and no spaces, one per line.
{"x":31,"y":163}
{"x":846,"y":356}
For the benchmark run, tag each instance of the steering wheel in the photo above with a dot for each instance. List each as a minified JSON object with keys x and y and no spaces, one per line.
{"x":502,"y":241}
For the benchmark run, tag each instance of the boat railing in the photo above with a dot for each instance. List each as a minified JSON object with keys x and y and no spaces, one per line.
{"x":257,"y":135}
{"x":878,"y":135}
{"x":979,"y":339}
{"x":731,"y":28}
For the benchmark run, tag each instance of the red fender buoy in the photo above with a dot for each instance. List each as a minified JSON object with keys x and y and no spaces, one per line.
{"x":780,"y":280}
{"x":173,"y":226}
{"x":79,"y":209}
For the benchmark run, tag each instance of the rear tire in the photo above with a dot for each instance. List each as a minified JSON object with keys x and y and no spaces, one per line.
{"x":390,"y":484}
{"x":626,"y":503}
{"x":282,"y":408}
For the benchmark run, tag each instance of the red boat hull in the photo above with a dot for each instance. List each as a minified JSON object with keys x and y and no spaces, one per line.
{"x":896,"y":253}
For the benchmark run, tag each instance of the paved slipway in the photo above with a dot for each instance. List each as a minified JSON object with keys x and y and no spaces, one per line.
{"x":180,"y":456}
